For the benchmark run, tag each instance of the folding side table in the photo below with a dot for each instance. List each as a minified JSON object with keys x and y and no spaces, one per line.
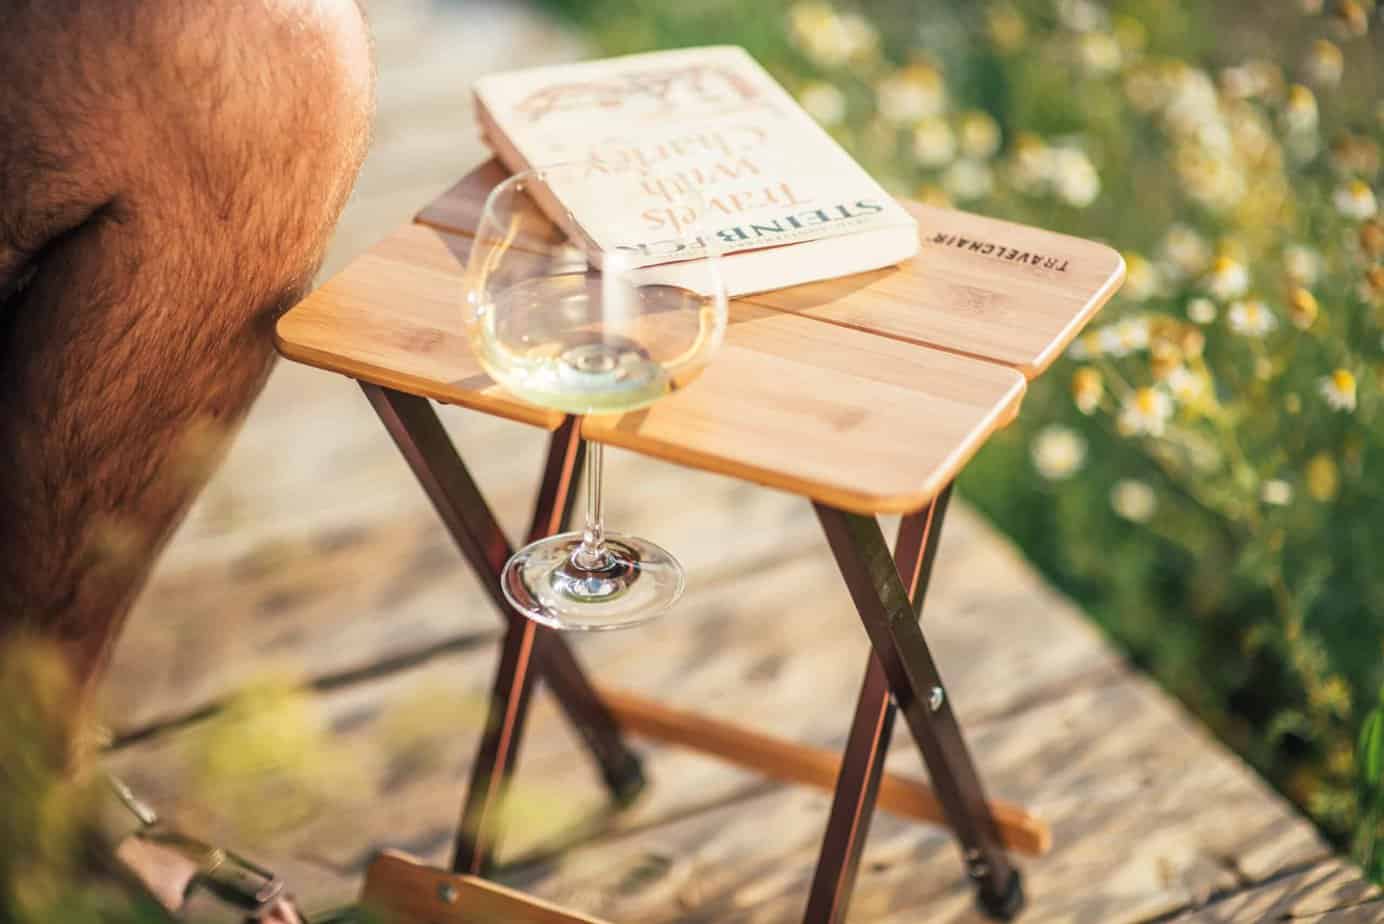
{"x":866,"y":395}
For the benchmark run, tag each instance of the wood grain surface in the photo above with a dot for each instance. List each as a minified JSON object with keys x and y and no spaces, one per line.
{"x":855,"y":420}
{"x":1148,"y":814}
{"x":979,"y":286}
{"x":394,"y":317}
{"x":1330,"y":892}
{"x":982,"y":287}
{"x":792,"y":762}
{"x":401,"y":890}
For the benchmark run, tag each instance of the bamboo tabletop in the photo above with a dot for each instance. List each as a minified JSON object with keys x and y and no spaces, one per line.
{"x":868,"y":393}
{"x":981,"y":287}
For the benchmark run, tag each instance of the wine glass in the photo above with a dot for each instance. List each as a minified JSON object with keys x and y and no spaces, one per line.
{"x":602,"y":317}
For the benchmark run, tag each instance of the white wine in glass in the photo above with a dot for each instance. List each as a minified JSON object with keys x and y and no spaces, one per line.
{"x":562,"y":326}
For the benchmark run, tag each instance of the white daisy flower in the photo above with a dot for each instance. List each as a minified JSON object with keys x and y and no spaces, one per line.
{"x":1338,"y":389}
{"x":1125,"y":337}
{"x":1133,"y":500}
{"x":1145,"y":413}
{"x":911,"y":94}
{"x":1074,"y":177}
{"x":1100,"y":53}
{"x":1141,"y":278}
{"x":831,"y":38}
{"x":1217,"y":182}
{"x":1302,"y":308}
{"x":1251,"y":318}
{"x":1250,"y":80}
{"x":1087,"y":389}
{"x":824,"y":102}
{"x":1201,"y":310}
{"x":1300,"y":110}
{"x":1187,"y":386}
{"x":1186,"y":250}
{"x":1215,"y":139}
{"x":1193,"y":106}
{"x":1324,"y":64}
{"x":934,"y":144}
{"x":980,"y":135}
{"x":1135,"y":333}
{"x":1303,"y":264}
{"x":1228,"y":279}
{"x":1276,"y":492}
{"x":1058,"y":452}
{"x":1239,"y":83}
{"x":968,"y":179}
{"x":1356,"y":200}
{"x":1081,"y":15}
{"x":1030,"y":163}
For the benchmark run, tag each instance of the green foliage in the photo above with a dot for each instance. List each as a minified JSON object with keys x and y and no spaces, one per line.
{"x":48,"y":806}
{"x":1204,"y":470}
{"x":1369,"y":758}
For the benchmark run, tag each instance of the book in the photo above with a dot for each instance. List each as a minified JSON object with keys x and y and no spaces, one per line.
{"x":784,"y":204}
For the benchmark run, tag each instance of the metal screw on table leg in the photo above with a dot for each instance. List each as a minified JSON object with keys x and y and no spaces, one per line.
{"x":447,"y":893}
{"x":935,"y":698}
{"x":976,"y":867}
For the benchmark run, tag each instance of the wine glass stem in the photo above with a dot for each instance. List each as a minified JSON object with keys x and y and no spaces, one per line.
{"x":592,"y":555}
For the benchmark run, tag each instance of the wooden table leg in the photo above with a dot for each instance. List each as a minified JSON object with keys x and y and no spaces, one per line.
{"x":886,"y":609}
{"x":528,"y":650}
{"x":867,"y":746}
{"x":478,"y":834}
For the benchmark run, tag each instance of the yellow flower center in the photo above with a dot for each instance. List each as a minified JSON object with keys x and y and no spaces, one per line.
{"x":1344,"y":381}
{"x":1304,"y":306}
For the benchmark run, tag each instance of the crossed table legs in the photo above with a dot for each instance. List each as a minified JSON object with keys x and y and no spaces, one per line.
{"x":888,"y":593}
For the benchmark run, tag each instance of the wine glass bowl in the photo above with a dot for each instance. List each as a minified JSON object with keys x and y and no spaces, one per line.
{"x":565,"y":329}
{"x":563,"y":324}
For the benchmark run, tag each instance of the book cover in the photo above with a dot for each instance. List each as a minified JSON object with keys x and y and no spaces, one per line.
{"x":783,"y":201}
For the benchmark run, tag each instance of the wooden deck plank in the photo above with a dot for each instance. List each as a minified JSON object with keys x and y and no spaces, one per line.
{"x":1329,"y":892}
{"x":1056,"y":721}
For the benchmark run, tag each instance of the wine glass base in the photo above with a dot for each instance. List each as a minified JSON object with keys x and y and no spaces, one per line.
{"x":636,"y":582}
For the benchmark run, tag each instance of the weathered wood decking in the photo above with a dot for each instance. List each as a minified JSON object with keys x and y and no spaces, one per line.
{"x":314,"y":553}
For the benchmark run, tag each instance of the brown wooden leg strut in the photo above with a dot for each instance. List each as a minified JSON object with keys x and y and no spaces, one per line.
{"x":867,"y":745}
{"x":886,"y":608}
{"x":477,"y":837}
{"x":528,"y":650}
